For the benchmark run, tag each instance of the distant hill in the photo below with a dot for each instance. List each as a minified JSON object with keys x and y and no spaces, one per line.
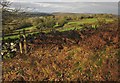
{"x":67,"y":13}
{"x":32,"y":14}
{"x":82,"y":14}
{"x":64,"y":14}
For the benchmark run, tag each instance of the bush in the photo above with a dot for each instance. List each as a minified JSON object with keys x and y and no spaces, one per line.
{"x":8,"y":50}
{"x":24,"y":25}
{"x":61,"y":22}
{"x":49,"y":23}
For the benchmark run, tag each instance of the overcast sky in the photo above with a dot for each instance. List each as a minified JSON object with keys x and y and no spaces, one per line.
{"x":64,"y":0}
{"x":73,"y":6}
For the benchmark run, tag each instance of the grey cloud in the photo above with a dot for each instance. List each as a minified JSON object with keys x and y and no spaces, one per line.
{"x":73,"y":7}
{"x":64,"y":0}
{"x":90,"y":0}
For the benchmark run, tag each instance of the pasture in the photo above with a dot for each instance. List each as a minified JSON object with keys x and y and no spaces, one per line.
{"x":68,"y":26}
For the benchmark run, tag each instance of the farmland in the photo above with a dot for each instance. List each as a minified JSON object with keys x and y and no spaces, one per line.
{"x":68,"y":26}
{"x":64,"y":47}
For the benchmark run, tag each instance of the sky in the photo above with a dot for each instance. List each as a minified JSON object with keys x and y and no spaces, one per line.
{"x":65,"y":0}
{"x":71,"y":6}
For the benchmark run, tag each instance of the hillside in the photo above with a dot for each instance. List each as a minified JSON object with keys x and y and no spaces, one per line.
{"x":92,"y":54}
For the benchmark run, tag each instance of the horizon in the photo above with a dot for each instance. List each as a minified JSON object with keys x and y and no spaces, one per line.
{"x":68,"y":13}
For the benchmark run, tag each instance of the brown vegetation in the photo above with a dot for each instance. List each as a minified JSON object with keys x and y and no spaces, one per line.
{"x":68,"y":56}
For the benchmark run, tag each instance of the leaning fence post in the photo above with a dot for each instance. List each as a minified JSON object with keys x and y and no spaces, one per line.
{"x":25,"y":45}
{"x":20,"y":44}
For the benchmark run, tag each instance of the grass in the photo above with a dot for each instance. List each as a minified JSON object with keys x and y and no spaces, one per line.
{"x":27,"y":28}
{"x":72,"y":63}
{"x":84,"y":21}
{"x":17,"y":36}
{"x":46,"y":31}
{"x":73,"y":25}
{"x":87,"y":21}
{"x":68,"y":29}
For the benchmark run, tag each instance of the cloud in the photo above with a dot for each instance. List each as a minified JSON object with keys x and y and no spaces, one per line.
{"x":90,"y":0}
{"x":64,"y":0}
{"x":73,"y":7}
{"x":34,"y":0}
{"x":42,"y":4}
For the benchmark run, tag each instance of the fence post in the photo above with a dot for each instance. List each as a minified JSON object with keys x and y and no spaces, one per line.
{"x":25,"y":42}
{"x":20,"y":43}
{"x":3,"y":40}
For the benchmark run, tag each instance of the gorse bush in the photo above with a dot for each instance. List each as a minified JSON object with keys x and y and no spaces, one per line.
{"x":8,"y":50}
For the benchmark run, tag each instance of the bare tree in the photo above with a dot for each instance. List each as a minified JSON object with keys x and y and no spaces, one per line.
{"x":5,"y":4}
{"x":4,"y":10}
{"x":9,"y":15}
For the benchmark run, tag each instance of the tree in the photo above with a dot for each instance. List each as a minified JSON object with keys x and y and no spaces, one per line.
{"x":4,"y":5}
{"x":9,"y":16}
{"x":49,"y":22}
{"x":4,"y":10}
{"x":35,"y":21}
{"x":101,"y":21}
{"x":61,"y":22}
{"x":40,"y":26}
{"x":7,"y":13}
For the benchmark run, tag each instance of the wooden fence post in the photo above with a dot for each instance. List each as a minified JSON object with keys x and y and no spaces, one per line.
{"x":25,"y":42}
{"x":20,"y":44}
{"x":3,"y":37}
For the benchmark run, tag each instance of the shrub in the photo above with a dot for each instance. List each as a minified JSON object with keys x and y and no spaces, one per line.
{"x":24,"y":25}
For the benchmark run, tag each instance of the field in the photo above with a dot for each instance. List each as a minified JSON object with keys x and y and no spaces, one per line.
{"x":74,"y":23}
{"x":82,"y":48}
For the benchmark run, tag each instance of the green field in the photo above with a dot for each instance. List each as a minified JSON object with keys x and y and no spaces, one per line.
{"x":73,"y":25}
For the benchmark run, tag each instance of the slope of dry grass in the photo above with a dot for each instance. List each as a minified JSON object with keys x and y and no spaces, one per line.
{"x":95,"y":57}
